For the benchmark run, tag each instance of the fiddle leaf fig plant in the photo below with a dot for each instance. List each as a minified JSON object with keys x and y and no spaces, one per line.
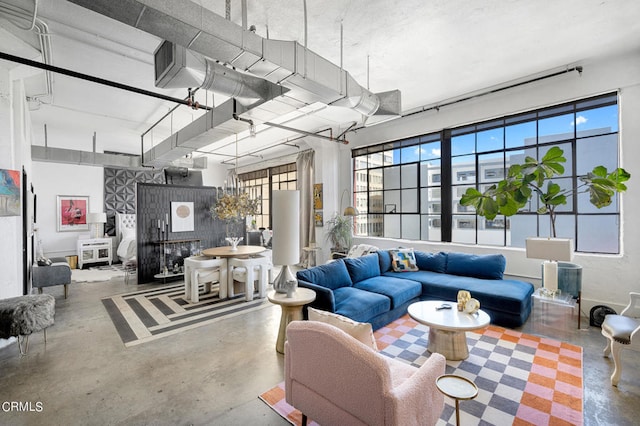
{"x":533,"y":178}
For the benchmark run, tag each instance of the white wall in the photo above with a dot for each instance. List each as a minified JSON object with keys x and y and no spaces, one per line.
{"x":607,"y":279}
{"x":53,"y":179}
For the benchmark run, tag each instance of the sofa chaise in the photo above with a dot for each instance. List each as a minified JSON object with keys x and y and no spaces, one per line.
{"x":378,"y":288}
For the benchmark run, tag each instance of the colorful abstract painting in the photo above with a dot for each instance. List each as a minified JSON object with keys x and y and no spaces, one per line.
{"x":9,"y":192}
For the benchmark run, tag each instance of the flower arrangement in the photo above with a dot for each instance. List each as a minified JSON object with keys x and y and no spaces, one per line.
{"x":235,"y":207}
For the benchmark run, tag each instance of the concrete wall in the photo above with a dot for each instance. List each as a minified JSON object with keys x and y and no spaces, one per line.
{"x":607,"y":279}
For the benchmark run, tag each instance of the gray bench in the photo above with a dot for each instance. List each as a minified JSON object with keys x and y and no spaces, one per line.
{"x":58,"y":273}
{"x":23,"y":315}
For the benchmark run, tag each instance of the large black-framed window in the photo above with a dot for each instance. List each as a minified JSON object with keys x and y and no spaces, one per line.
{"x":411,"y":188}
{"x":260,"y":184}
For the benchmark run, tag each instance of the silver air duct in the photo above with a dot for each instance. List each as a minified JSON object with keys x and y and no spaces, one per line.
{"x":176,"y":67}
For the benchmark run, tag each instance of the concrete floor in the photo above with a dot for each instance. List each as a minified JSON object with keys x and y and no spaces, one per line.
{"x":213,"y":375}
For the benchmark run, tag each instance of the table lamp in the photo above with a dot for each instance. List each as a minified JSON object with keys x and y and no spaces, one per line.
{"x":96,"y":220}
{"x":552,"y":250}
{"x":286,"y":236}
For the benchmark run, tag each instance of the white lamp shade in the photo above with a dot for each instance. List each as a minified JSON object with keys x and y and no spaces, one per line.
{"x":286,"y":227}
{"x":550,"y":248}
{"x":96,"y":217}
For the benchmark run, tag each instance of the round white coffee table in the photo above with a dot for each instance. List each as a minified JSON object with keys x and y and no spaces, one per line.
{"x":447,"y":327}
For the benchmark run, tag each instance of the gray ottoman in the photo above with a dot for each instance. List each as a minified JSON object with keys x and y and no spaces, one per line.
{"x":58,"y":273}
{"x":20,"y":316}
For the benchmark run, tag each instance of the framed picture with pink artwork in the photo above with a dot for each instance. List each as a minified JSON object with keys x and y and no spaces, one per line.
{"x":72,"y":213}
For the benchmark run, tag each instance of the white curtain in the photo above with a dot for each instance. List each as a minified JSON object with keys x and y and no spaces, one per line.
{"x":305,"y":170}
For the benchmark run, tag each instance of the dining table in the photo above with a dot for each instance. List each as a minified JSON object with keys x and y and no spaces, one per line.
{"x":226,"y":251}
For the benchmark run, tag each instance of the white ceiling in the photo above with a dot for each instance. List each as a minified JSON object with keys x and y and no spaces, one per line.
{"x":432,"y":51}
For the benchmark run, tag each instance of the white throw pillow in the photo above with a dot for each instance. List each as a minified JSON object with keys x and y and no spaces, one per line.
{"x":361,"y":331}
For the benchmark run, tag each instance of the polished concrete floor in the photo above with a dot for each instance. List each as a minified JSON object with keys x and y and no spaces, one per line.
{"x":213,"y":375}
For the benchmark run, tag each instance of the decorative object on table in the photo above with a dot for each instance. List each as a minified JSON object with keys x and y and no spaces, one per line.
{"x":233,"y":242}
{"x":552,"y":250}
{"x":286,"y":235}
{"x":72,"y":213}
{"x":234,"y":208}
{"x":97,"y":221}
{"x":463,"y":297}
{"x":10,"y":192}
{"x":182,"y":216}
{"x":290,"y":287}
{"x":472,"y":306}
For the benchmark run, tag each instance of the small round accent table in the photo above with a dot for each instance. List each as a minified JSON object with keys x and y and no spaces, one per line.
{"x":291,"y":310}
{"x":447,"y":327}
{"x":457,"y":387}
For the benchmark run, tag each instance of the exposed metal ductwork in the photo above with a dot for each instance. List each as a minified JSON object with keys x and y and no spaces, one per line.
{"x":306,"y":77}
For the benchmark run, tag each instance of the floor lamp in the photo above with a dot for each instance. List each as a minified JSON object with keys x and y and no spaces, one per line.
{"x":286,"y":237}
{"x":552,"y":250}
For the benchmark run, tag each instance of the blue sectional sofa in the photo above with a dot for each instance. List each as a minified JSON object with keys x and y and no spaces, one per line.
{"x":368,"y":289}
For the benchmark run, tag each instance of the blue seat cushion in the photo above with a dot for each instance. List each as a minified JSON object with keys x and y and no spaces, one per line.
{"x":363,"y":267}
{"x":399,"y":290}
{"x":360,"y":305}
{"x":384,"y":260}
{"x":510,"y":296}
{"x":436,"y":262}
{"x":489,"y":266}
{"x":331,"y":275}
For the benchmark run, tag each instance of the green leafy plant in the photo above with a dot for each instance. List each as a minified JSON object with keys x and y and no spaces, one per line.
{"x":533,"y":178}
{"x":339,"y":232}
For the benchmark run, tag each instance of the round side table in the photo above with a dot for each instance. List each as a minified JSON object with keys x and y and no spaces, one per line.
{"x":291,"y":310}
{"x":457,"y":387}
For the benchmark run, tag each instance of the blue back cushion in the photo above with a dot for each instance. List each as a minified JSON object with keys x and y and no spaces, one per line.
{"x":363,"y":267}
{"x":332,"y":275}
{"x":489,"y":266}
{"x":384,"y":259}
{"x":435,"y":262}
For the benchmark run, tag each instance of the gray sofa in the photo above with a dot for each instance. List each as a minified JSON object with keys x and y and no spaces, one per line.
{"x":368,"y":289}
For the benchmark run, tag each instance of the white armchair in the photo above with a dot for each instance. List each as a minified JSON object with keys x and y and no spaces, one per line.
{"x":621,"y":330}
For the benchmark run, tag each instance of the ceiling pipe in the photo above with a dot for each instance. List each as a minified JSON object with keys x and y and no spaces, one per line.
{"x":93,"y":79}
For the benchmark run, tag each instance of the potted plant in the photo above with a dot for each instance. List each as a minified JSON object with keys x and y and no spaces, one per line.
{"x":533,"y":178}
{"x":339,"y":233}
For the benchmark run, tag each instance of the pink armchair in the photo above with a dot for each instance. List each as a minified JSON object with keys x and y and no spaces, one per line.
{"x":334,"y":379}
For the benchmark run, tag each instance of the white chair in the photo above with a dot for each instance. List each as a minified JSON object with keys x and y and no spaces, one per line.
{"x":621,"y":330}
{"x":201,"y":269}
{"x":248,"y":271}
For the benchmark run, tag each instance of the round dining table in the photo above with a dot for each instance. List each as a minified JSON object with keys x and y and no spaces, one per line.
{"x":225,"y":251}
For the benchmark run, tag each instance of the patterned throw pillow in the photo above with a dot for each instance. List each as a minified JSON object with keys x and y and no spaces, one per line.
{"x":403,"y":260}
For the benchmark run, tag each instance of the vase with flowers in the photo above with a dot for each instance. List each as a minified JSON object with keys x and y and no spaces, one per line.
{"x":233,"y":208}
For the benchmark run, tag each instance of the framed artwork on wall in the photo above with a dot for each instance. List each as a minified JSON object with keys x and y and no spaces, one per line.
{"x":181,"y":216}
{"x":72,"y":213}
{"x":318,"y":218}
{"x":9,"y":192}
{"x":317,"y":196}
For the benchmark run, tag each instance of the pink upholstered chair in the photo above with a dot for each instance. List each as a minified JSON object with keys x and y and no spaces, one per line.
{"x":336,"y":380}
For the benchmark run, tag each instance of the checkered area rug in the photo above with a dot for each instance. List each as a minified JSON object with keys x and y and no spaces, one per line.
{"x":522,"y":379}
